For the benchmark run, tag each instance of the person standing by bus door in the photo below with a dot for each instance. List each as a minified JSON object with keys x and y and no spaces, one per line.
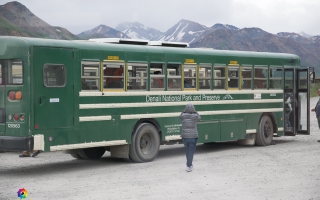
{"x":317,"y":110}
{"x":189,"y":133}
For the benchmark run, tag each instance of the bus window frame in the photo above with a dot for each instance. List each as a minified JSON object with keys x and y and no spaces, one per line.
{"x":257,"y":67}
{"x":272,"y":78}
{"x":204,"y":78}
{"x":246,"y":67}
{"x":145,"y":78}
{"x":159,"y":77}
{"x":237,"y":67}
{"x":46,"y":77}
{"x":6,"y":64}
{"x":220,"y":78}
{"x":96,"y":78}
{"x":192,"y":66}
{"x":178,"y":75}
{"x":103,"y":77}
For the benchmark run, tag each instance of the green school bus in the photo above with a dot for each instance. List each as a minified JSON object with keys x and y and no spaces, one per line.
{"x":125,"y":96}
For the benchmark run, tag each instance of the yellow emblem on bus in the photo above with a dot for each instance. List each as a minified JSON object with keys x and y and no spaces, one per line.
{"x":113,"y":57}
{"x":189,"y":61}
{"x":233,"y":62}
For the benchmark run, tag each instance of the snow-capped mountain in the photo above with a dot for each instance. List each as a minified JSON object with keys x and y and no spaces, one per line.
{"x":136,"y":30}
{"x":315,"y":39}
{"x":304,"y":34}
{"x":102,"y":31}
{"x":185,"y":31}
{"x":224,"y":26}
{"x":294,"y":36}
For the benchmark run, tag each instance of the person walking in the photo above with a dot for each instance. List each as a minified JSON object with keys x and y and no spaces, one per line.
{"x":316,"y":109}
{"x":189,"y":133}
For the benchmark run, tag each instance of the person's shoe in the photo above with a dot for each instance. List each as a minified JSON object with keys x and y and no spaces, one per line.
{"x":318,"y":140}
{"x":36,"y":153}
{"x":23,"y":155}
{"x":189,"y":169}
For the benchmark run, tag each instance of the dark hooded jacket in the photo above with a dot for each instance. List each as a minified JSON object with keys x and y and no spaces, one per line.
{"x":189,"y":118}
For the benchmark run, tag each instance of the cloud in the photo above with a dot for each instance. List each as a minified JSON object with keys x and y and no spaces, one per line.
{"x":272,"y":15}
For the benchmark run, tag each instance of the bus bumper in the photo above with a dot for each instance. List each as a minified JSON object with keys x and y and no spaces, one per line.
{"x":9,"y":143}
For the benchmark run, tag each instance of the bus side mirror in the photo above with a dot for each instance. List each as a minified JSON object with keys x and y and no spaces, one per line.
{"x":312,"y":77}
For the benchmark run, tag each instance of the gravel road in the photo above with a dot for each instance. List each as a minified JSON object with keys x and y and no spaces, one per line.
{"x":288,"y":170}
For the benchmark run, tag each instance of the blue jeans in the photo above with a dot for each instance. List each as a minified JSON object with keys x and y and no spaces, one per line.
{"x":190,"y":145}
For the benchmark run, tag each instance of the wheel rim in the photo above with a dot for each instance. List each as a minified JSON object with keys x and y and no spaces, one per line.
{"x":146,"y":143}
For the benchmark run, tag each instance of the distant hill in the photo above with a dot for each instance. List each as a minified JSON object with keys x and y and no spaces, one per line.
{"x":255,"y":39}
{"x":102,"y":31}
{"x":17,"y":20}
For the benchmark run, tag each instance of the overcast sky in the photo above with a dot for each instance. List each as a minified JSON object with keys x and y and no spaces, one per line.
{"x":270,"y":15}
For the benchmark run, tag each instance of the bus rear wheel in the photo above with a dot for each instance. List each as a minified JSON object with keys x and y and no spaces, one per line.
{"x":91,"y":153}
{"x":265,"y":132}
{"x":145,"y":143}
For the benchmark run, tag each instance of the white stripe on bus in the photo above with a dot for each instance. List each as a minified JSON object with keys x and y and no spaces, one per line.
{"x":87,"y":145}
{"x":146,"y":93}
{"x":94,"y":118}
{"x":219,"y":112}
{"x":132,"y":105}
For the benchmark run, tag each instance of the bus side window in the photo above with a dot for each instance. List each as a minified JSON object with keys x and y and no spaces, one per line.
{"x":90,"y":76}
{"x":54,"y":75}
{"x":260,"y":77}
{"x":190,"y":76}
{"x":276,"y":73}
{"x":233,"y":77}
{"x":113,"y":75}
{"x":219,"y":74}
{"x":156,"y":76}
{"x":204,"y":77}
{"x":137,"y":76}
{"x":246,"y":78}
{"x":174,"y":76}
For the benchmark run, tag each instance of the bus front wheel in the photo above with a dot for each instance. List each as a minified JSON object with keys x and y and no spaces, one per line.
{"x":265,"y":132}
{"x":145,"y":143}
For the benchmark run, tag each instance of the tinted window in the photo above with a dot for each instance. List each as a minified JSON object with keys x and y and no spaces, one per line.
{"x":54,"y":75}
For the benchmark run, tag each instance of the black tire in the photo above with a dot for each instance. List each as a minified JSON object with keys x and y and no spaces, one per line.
{"x":264,"y":136}
{"x":145,"y":143}
{"x":76,"y":155}
{"x":91,"y":153}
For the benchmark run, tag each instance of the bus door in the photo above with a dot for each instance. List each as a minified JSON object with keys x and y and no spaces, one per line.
{"x":53,"y":88}
{"x":303,"y":99}
{"x":296,"y":102}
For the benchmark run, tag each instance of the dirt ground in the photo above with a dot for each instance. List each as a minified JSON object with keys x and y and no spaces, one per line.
{"x":288,"y":170}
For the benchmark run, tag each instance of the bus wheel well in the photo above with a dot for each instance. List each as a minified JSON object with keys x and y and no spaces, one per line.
{"x":273,"y":119}
{"x":150,"y":121}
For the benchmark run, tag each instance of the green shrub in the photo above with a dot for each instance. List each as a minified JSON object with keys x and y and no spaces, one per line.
{"x":314,"y":89}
